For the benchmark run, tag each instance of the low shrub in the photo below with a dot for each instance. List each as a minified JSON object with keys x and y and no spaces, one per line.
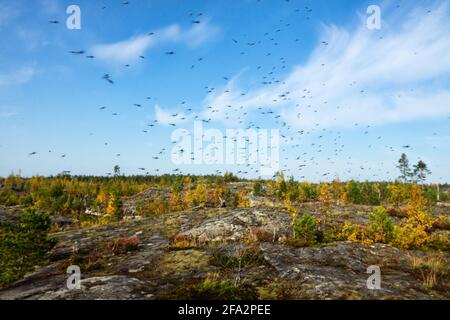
{"x":439,"y":241}
{"x":305,"y":229}
{"x":181,"y":242}
{"x":380,"y":228}
{"x":93,"y":261}
{"x":433,"y":270}
{"x":397,"y":212}
{"x":212,"y":288}
{"x":261,"y":234}
{"x":24,"y":245}
{"x":258,"y":189}
{"x":410,"y":236}
{"x":442,"y":222}
{"x":413,"y":232}
{"x":124,"y":245}
{"x":351,"y":232}
{"x":244,"y":257}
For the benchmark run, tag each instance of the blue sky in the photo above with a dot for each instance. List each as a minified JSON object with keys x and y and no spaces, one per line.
{"x":358,"y":95}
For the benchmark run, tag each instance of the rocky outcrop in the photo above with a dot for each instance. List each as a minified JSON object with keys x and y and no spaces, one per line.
{"x":172,"y":252}
{"x":101,"y":288}
{"x":238,"y":224}
{"x":340,"y":270}
{"x":10,"y":214}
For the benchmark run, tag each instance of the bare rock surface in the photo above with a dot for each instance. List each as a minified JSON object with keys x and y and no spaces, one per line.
{"x":235,"y":225}
{"x":101,"y":288}
{"x":172,"y":252}
{"x":339,"y":270}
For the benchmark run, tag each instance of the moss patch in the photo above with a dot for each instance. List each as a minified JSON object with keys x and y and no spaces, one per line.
{"x":186,"y":260}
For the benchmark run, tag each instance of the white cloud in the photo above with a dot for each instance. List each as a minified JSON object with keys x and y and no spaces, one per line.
{"x":50,"y":6}
{"x":123,"y":51}
{"x":442,"y":141}
{"x":130,"y":49}
{"x":17,"y":77}
{"x":167,"y":117}
{"x":360,"y":77}
{"x":31,"y":38}
{"x":8,"y":12}
{"x":7,"y":115}
{"x":200,"y":33}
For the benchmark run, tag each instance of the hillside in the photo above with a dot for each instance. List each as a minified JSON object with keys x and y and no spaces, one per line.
{"x":232,"y":253}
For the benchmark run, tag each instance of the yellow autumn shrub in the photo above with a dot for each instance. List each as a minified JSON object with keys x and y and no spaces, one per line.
{"x":413,"y":232}
{"x":351,"y":232}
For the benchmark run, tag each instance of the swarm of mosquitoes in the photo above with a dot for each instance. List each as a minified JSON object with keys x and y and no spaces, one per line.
{"x":291,"y":138}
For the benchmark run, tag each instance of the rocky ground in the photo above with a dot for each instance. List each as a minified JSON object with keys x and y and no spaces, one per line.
{"x":170,"y":256}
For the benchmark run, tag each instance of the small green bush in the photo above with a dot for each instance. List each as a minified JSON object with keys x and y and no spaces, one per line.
{"x":258,"y":189}
{"x":23,"y":245}
{"x":380,"y":228}
{"x":305,"y":229}
{"x":222,"y":289}
{"x":444,"y":197}
{"x":210,"y":289}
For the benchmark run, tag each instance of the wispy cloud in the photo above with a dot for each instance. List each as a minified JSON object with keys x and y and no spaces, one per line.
{"x":7,"y":115}
{"x":361,"y":76}
{"x":442,"y":141}
{"x":123,"y":51}
{"x":130,"y":49}
{"x":199,"y":34}
{"x":17,"y":77}
{"x":168,"y":117}
{"x":50,"y":6}
{"x":32,"y":39}
{"x":8,"y":12}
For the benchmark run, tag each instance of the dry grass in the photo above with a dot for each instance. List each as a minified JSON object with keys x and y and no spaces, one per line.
{"x":241,"y":258}
{"x":182,"y":242}
{"x":124,"y":245}
{"x":442,"y":222}
{"x":432,"y":269}
{"x":261,"y":235}
{"x":397,"y":212}
{"x":95,"y":260}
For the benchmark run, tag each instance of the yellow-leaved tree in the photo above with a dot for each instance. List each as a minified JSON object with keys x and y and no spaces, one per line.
{"x":219,"y":194}
{"x":243,"y":200}
{"x":102,"y":199}
{"x":176,"y":202}
{"x":200,"y":197}
{"x":114,"y":208}
{"x":397,"y":194}
{"x":413,"y":232}
{"x":337,"y":190}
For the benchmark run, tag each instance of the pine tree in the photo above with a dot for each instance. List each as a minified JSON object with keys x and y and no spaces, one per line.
{"x":421,"y":171}
{"x":405,"y":170}
{"x":281,"y":186}
{"x":115,"y":207}
{"x":116,"y":170}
